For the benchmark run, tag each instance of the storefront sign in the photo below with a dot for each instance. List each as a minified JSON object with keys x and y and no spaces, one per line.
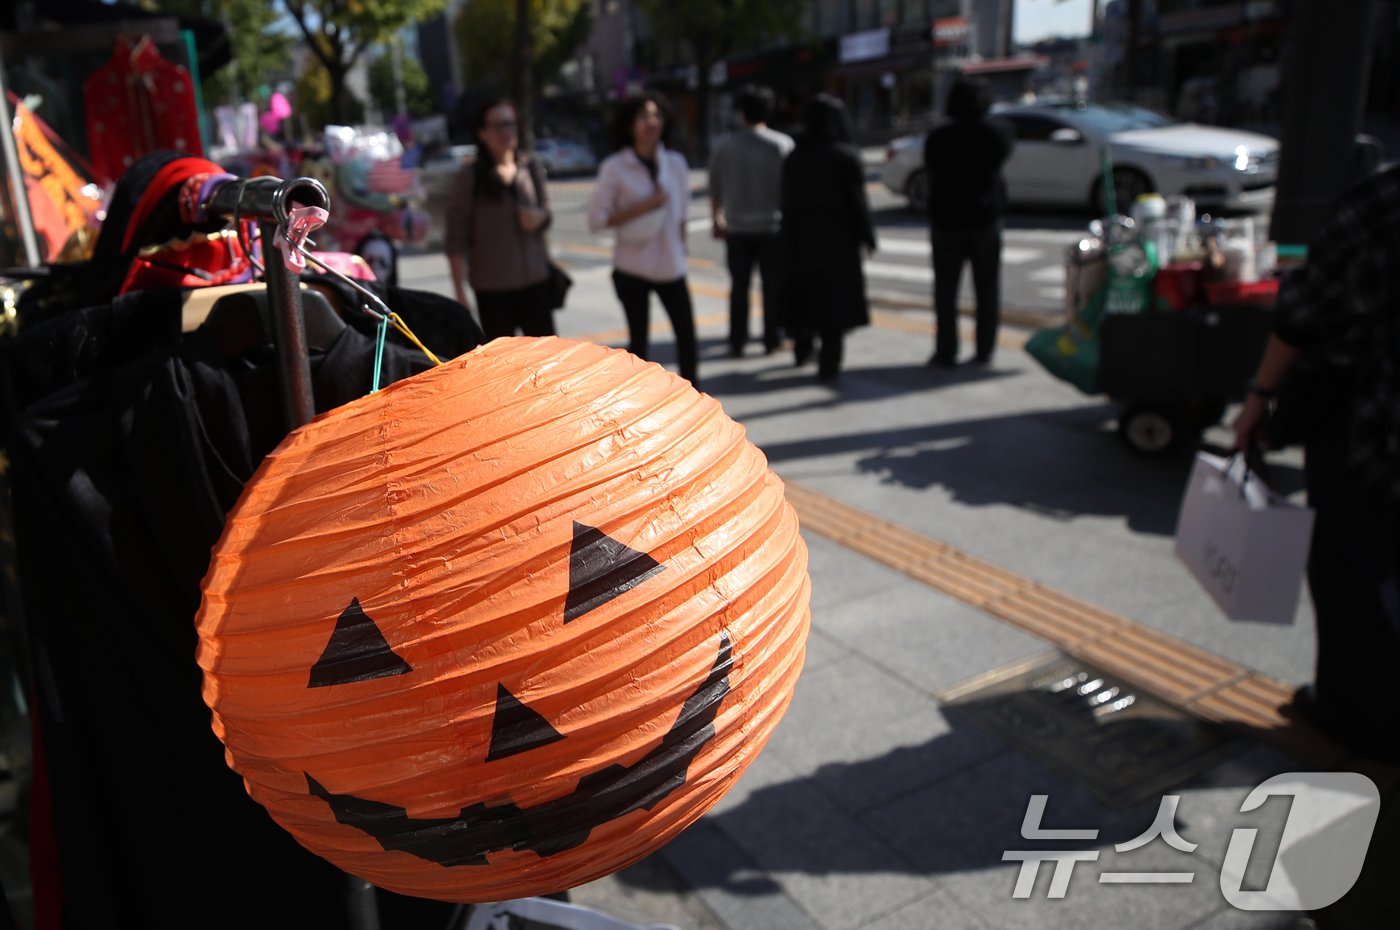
{"x":951,"y":30}
{"x":863,"y":46}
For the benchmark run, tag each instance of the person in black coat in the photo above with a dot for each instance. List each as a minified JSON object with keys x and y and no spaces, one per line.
{"x":826,"y":221}
{"x":966,"y":207}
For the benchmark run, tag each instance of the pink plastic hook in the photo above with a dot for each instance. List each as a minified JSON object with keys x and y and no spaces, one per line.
{"x":291,"y":238}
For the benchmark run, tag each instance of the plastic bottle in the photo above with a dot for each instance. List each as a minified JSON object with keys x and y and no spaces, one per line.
{"x":1132,"y":267}
{"x":1150,"y":216}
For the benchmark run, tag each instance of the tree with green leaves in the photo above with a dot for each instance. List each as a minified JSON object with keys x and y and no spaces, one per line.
{"x":712,"y":31}
{"x":485,"y":30}
{"x":383,"y":87}
{"x":339,"y":32}
{"x":258,"y":51}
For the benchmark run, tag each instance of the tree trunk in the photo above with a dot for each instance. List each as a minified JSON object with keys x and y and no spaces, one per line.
{"x":337,"y":74}
{"x":705,"y":55}
{"x":522,"y":66}
{"x":702,"y":112}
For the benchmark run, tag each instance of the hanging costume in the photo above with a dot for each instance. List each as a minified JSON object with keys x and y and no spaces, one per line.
{"x":129,"y":441}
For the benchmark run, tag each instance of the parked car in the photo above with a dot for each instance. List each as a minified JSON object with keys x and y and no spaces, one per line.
{"x":565,"y":156}
{"x":1057,"y":159}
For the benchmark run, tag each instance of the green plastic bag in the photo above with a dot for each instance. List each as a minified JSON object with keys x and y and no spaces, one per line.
{"x":1071,"y":352}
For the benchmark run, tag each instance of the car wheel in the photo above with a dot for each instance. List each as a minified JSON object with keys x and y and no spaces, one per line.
{"x":916,"y":189}
{"x":1128,"y":185}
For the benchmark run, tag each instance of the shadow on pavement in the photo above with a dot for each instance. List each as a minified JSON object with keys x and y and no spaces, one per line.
{"x":965,"y":820}
{"x":855,"y":384}
{"x":1063,"y":463}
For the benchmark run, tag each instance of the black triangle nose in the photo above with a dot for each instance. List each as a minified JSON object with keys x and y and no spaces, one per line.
{"x":357,"y":651}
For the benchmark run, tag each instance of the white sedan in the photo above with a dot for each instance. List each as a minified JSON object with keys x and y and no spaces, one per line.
{"x":1058,"y":160}
{"x":565,"y":156}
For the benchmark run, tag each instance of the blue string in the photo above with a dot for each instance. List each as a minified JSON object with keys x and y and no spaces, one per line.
{"x":379,"y":351}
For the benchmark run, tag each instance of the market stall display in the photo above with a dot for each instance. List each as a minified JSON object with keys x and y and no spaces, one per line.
{"x":1167,"y":314}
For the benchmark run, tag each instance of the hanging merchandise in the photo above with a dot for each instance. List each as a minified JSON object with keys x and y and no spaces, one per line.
{"x":507,"y":626}
{"x":1132,"y":268}
{"x":370,"y":190}
{"x":155,"y":407}
{"x":64,"y":204}
{"x":1070,"y":351}
{"x":136,"y":103}
{"x":278,"y":109}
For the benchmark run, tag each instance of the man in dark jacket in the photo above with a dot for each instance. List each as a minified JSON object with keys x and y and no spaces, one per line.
{"x":967,"y":203}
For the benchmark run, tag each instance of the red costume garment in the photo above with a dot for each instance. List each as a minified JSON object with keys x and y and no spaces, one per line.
{"x":136,"y":103}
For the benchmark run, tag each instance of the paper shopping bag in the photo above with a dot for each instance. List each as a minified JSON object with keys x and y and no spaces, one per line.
{"x":1246,"y":545}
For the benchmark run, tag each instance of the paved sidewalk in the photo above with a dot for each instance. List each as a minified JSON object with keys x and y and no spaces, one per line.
{"x":874,"y":806}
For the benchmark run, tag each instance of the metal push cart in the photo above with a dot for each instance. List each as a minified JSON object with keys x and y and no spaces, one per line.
{"x":1176,"y":371}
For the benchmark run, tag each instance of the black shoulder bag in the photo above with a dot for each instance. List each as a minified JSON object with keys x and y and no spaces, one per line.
{"x":558,"y":281}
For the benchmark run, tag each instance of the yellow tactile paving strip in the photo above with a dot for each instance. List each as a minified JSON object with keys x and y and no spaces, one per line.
{"x":1185,"y":676}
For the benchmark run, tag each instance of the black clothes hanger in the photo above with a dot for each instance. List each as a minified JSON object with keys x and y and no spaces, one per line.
{"x":241,"y":321}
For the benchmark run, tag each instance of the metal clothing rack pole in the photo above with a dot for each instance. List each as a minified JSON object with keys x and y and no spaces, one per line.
{"x":266,"y":201}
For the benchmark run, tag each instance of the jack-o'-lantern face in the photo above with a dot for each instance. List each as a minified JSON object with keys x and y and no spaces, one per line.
{"x":507,"y":626}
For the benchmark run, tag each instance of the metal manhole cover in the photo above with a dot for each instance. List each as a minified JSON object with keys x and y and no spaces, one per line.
{"x":1117,"y":741}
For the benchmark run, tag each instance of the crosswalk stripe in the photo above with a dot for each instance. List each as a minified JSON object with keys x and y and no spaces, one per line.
{"x":893,"y":272}
{"x":898,"y":245}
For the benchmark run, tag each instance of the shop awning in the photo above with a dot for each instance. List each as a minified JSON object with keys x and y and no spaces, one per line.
{"x":1004,"y":65}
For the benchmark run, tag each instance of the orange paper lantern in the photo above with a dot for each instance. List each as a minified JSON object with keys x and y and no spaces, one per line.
{"x":507,"y":626}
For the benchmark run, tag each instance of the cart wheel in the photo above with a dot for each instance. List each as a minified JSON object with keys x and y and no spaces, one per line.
{"x":1149,"y":431}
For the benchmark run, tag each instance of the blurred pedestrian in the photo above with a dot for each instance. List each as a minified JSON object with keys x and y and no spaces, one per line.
{"x":643,"y":194}
{"x":746,"y":176}
{"x":1335,"y":353}
{"x":966,"y":207}
{"x":497,"y":215}
{"x":826,"y":222}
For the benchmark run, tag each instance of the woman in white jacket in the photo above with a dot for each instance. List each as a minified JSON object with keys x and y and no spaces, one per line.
{"x":643,"y":195}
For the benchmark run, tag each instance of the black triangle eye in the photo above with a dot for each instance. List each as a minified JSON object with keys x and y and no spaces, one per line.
{"x":516,"y":728}
{"x":600,"y":569}
{"x":357,"y":651}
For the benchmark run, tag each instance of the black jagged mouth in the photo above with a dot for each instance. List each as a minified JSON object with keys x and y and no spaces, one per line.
{"x":554,"y":826}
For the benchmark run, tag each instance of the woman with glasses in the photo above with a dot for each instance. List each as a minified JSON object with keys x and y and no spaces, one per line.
{"x":497,"y":215}
{"x":642,"y":195}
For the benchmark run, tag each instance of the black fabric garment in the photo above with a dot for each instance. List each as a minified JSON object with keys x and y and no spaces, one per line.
{"x":826,"y":221}
{"x":97,"y":280}
{"x":952,"y":249}
{"x":650,"y":164}
{"x":963,"y":159}
{"x":128,"y":445}
{"x":1354,"y":578}
{"x":634,"y":294}
{"x":525,"y":310}
{"x":445,"y":326}
{"x":742,"y":252}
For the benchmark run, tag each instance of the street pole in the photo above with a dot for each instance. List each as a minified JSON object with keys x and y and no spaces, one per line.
{"x":19,"y":195}
{"x":1324,"y":96}
{"x":400,"y":99}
